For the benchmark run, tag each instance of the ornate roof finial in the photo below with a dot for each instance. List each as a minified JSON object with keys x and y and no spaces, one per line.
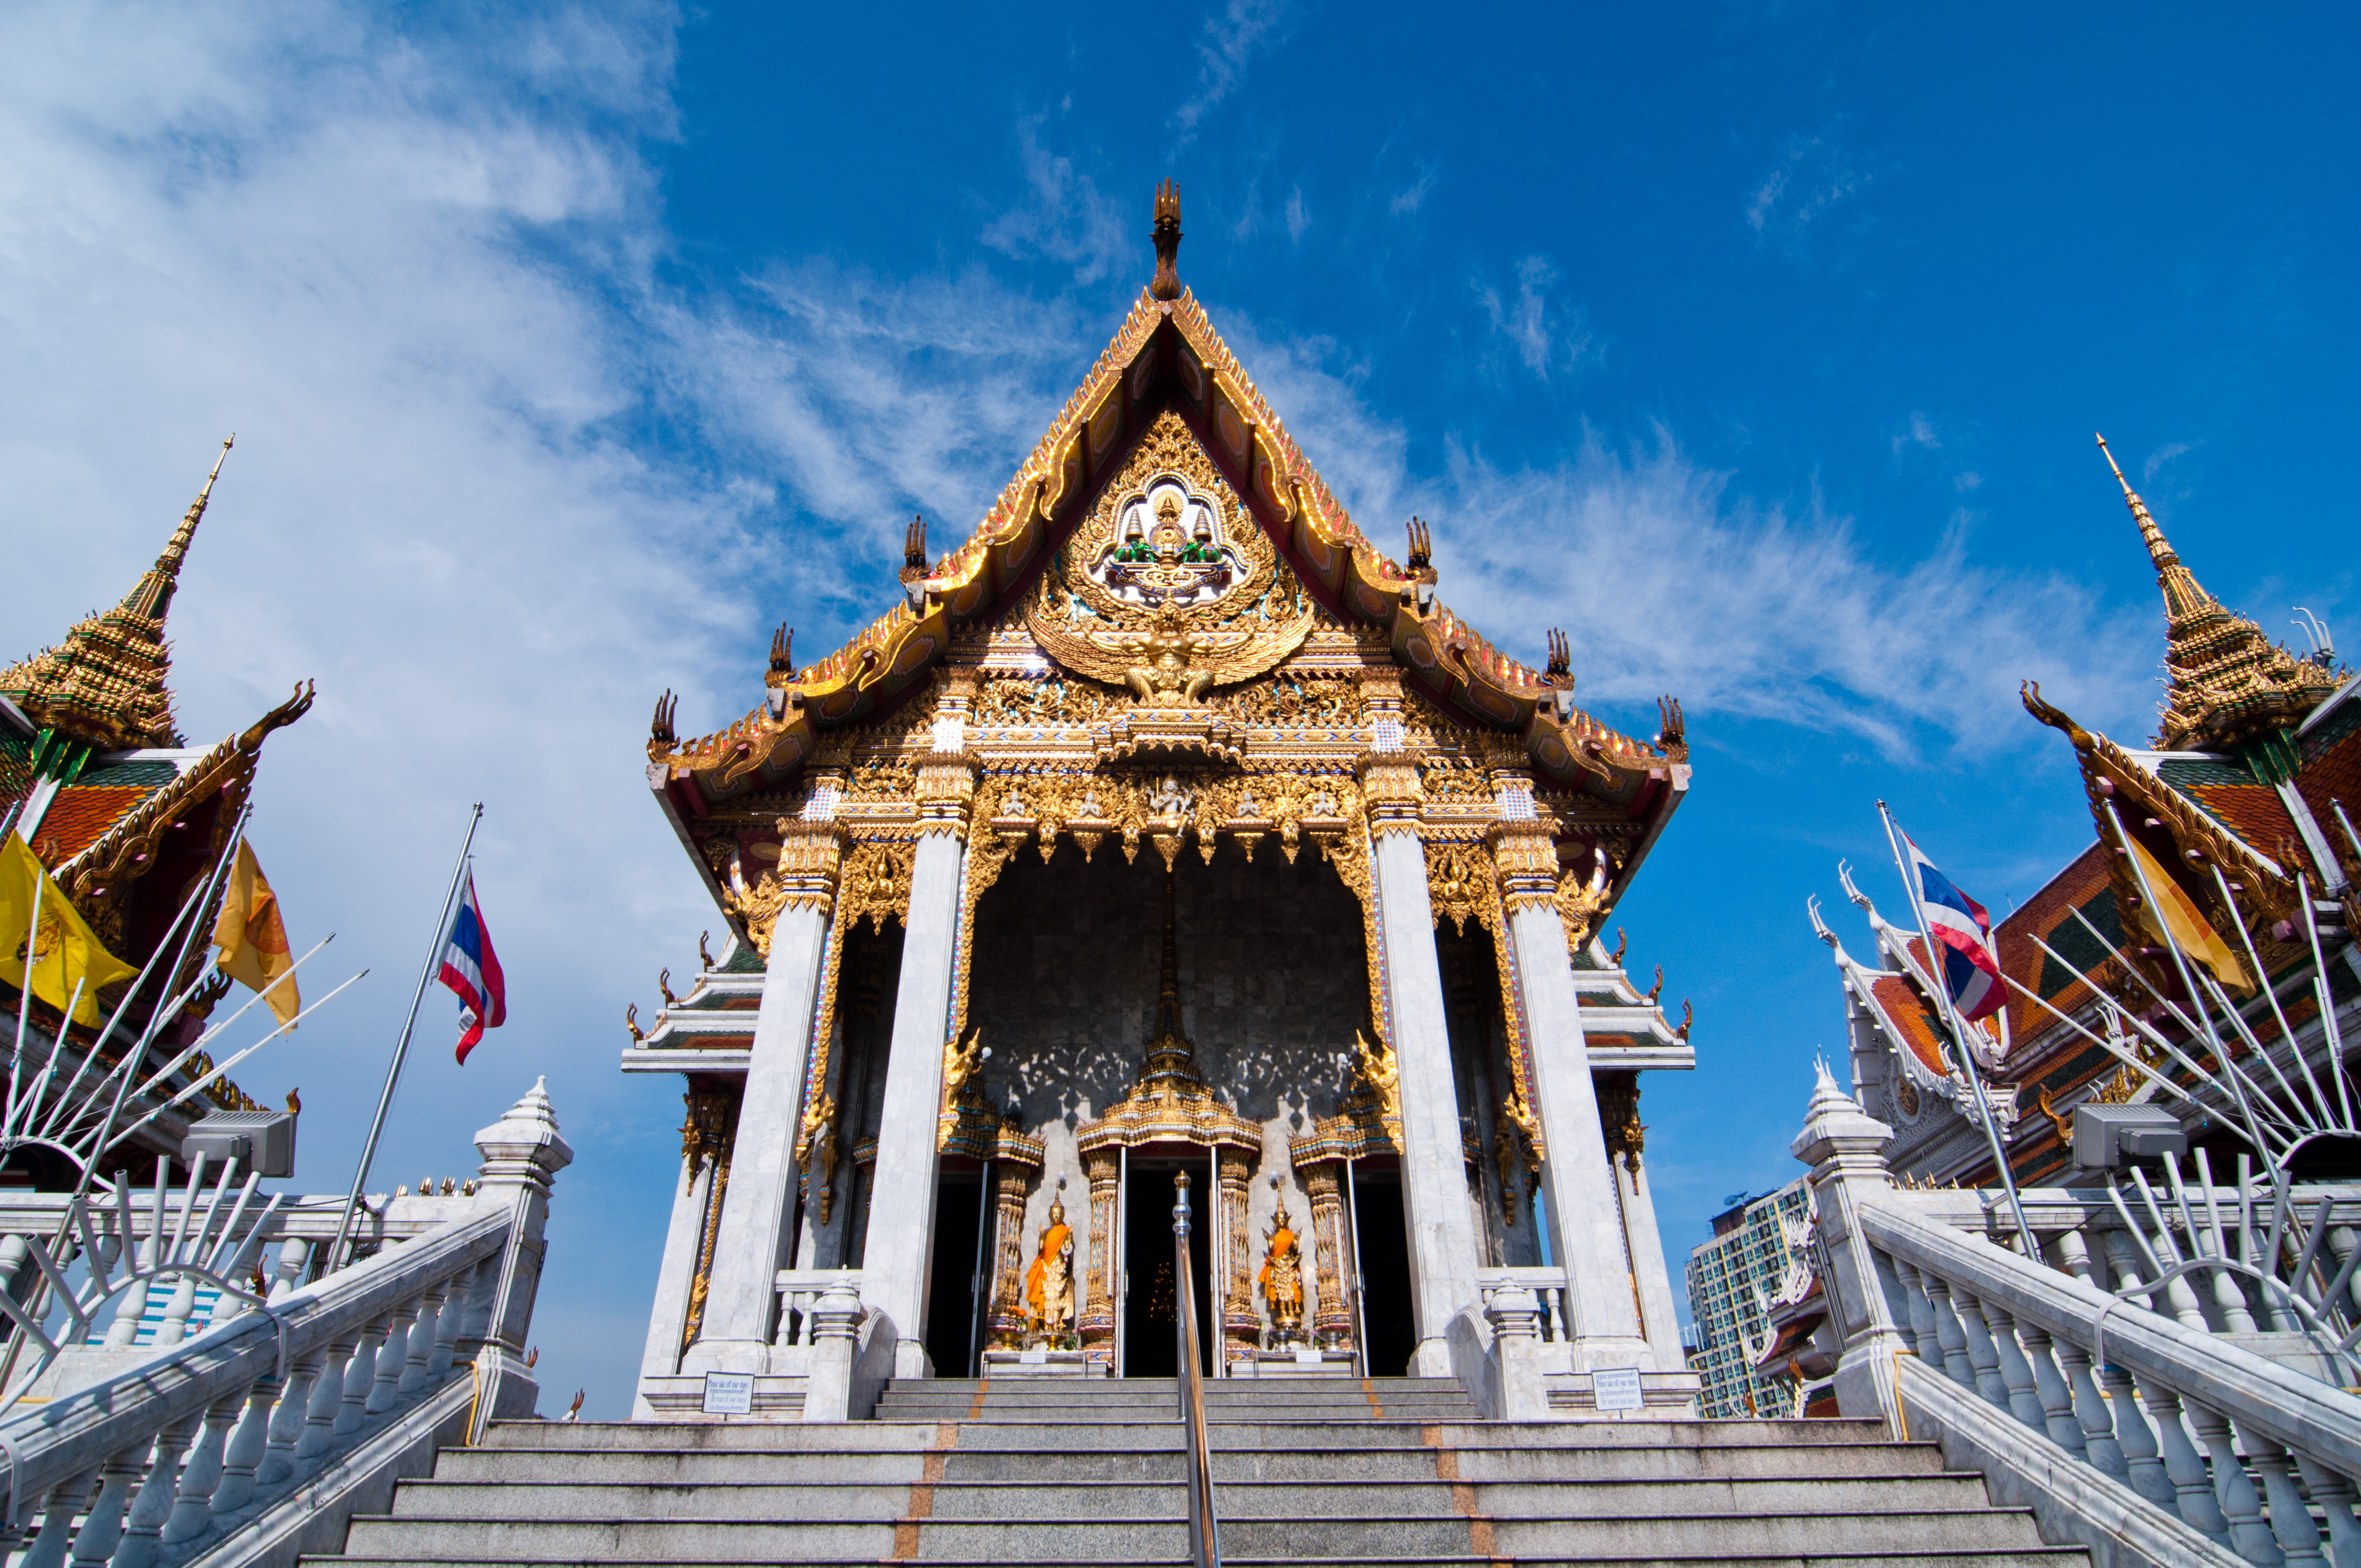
{"x":104,"y":685}
{"x":1167,"y":283}
{"x":2228,"y":683}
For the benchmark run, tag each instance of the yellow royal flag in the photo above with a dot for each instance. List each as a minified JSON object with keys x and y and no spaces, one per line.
{"x":252,"y":940}
{"x":2189,"y":929}
{"x":63,"y":951}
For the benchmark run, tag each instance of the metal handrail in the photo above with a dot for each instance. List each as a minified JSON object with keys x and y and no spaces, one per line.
{"x":1205,"y":1533}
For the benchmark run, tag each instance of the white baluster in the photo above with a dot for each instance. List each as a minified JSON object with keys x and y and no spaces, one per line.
{"x":1980,"y":1352}
{"x":243,"y":1458}
{"x":1922,"y":1313}
{"x":2142,"y":1460}
{"x":132,"y":1306}
{"x":58,"y":1510}
{"x":1950,"y":1335}
{"x":2017,"y":1372}
{"x":2192,"y":1485}
{"x":286,"y":1418}
{"x":317,"y":1434}
{"x":2242,"y":1506}
{"x":294,"y":1254}
{"x":2291,"y":1523}
{"x":102,"y":1528}
{"x":2090,"y":1413}
{"x":2056,"y":1400}
{"x":360,"y":1375}
{"x":415,"y":1378}
{"x":175,"y":1326}
{"x":2332,"y":1495}
{"x":385,"y":1388}
{"x":191,"y":1511}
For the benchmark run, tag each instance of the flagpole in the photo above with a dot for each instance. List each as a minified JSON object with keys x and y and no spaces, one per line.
{"x":1959,"y":1033}
{"x":401,"y":1047}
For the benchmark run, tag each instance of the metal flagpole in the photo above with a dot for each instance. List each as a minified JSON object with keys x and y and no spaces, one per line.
{"x":1959,"y":1033}
{"x":401,"y":1047}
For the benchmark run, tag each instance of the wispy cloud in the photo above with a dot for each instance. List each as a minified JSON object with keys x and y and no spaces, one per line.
{"x":1064,"y":217}
{"x":1412,"y":196}
{"x":1668,"y":581}
{"x":1542,"y":336}
{"x":1815,"y":176}
{"x":2153,"y":463}
{"x":1226,"y":47}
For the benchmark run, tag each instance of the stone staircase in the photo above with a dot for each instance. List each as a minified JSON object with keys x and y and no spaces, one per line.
{"x":1316,"y":1471}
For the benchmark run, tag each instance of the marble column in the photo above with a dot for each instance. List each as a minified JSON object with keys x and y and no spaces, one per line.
{"x":897,"y":1257}
{"x":759,"y":1204}
{"x":677,"y":1276}
{"x":1435,"y":1206}
{"x":1097,"y":1329}
{"x":1619,"y":1096}
{"x":1585,"y":1211}
{"x":1241,"y":1322}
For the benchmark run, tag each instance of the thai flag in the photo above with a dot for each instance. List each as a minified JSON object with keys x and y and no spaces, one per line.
{"x":473,"y":971}
{"x":1963,"y":930}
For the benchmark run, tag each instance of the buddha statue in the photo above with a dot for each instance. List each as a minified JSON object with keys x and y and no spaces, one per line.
{"x":1049,"y":1283}
{"x":1282,"y":1279}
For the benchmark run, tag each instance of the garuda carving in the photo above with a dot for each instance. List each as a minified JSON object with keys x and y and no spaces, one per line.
{"x":1170,"y":587}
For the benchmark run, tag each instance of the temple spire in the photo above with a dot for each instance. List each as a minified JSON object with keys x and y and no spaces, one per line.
{"x":1167,"y":283}
{"x":2227,"y":682}
{"x":102,"y":687}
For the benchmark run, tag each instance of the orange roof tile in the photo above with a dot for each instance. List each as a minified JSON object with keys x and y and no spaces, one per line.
{"x":81,"y":814}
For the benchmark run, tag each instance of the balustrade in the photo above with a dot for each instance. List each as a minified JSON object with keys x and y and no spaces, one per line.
{"x":218,"y":1429}
{"x":1549,"y":1287}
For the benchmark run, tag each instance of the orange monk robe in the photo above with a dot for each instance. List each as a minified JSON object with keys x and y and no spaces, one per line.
{"x":1282,"y":1242}
{"x":1053,"y":1242}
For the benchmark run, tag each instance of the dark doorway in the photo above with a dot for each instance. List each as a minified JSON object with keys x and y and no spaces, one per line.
{"x":950,"y":1291}
{"x":1151,"y":1344}
{"x":1383,"y":1245}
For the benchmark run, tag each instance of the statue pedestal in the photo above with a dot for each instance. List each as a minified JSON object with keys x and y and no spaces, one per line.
{"x":998,"y":1364}
{"x":1285,"y":1364}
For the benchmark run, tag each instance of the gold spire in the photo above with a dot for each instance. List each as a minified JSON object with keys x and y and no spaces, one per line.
{"x":104,"y":685}
{"x":2227,"y":682}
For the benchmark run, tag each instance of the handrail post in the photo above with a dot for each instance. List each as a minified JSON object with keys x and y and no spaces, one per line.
{"x":1205,"y":1534}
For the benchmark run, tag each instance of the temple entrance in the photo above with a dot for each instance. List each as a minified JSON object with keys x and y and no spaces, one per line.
{"x":1150,"y":1324}
{"x":952,"y":1290}
{"x":1381,"y":1247}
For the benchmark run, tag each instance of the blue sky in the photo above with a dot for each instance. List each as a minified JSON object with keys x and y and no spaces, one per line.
{"x":569,"y":350}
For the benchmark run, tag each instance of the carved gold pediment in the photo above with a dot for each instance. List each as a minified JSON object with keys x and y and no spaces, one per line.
{"x":1169,"y":589}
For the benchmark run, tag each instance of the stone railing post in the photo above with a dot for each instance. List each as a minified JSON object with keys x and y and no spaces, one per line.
{"x":758,"y":1206}
{"x":1843,"y":1144}
{"x":835,"y":1323}
{"x":1515,"y":1315}
{"x":522,"y":1152}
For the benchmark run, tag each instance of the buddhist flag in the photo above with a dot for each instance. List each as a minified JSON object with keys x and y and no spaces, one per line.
{"x":2171,"y":909}
{"x":63,"y":952}
{"x":251,"y":940}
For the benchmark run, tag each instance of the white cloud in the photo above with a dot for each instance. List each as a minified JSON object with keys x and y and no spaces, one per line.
{"x":1065,"y":219}
{"x":2154,"y":464}
{"x":1226,"y":48}
{"x":1814,"y":176}
{"x":1413,"y":196}
{"x":1920,"y":434}
{"x":1667,"y":582}
{"x":1298,"y":219}
{"x":1541,"y":336}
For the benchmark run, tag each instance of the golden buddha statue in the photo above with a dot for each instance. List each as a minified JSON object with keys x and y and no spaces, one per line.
{"x":1049,"y":1283}
{"x":1282,"y":1279}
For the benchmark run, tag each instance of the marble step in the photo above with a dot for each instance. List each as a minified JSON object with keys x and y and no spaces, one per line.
{"x":1053,"y":1538}
{"x":656,"y":1437}
{"x":2036,"y":1557}
{"x":1308,"y":1458}
{"x":947,"y":1499}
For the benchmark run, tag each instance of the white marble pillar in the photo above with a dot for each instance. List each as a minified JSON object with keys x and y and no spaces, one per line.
{"x":676,"y":1277}
{"x":1435,"y":1205}
{"x":1660,"y":1317}
{"x":897,"y":1256}
{"x":1584,"y":1212}
{"x":759,"y":1202}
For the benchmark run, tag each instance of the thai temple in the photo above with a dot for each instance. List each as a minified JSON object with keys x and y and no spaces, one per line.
{"x":1164,"y":825}
{"x":1156,"y":1090}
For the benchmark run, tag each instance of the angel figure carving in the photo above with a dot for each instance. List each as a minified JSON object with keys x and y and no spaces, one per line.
{"x":1378,"y":1067}
{"x":1170,"y":661}
{"x":1049,"y":1283}
{"x":1282,"y":1279}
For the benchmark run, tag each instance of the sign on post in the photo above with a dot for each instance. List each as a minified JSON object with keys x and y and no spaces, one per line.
{"x":1616,"y":1388}
{"x":729,"y":1393}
